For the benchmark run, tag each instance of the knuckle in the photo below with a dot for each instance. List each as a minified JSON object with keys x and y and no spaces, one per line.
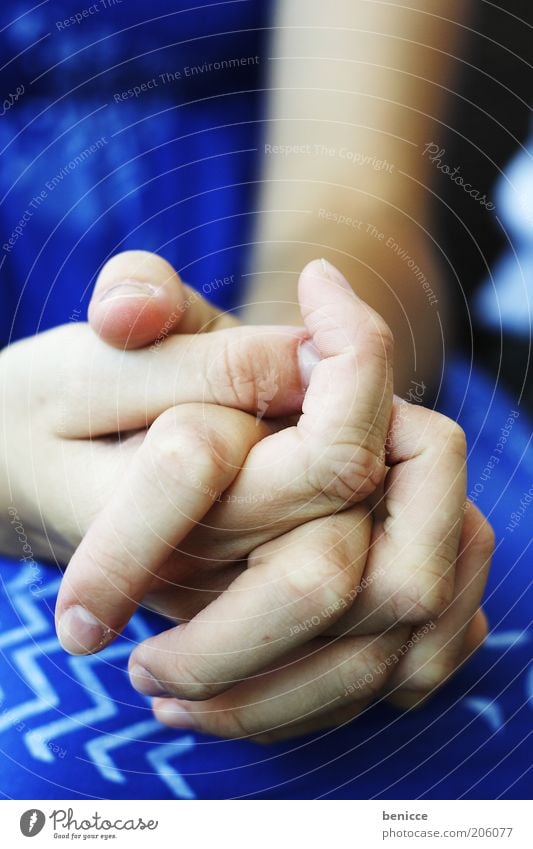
{"x":450,"y":434}
{"x":71,"y":401}
{"x":233,"y":723}
{"x":187,"y":682}
{"x":244,"y":724}
{"x":231,"y":376}
{"x":432,"y":674}
{"x":381,"y":335}
{"x":188,"y":452}
{"x":480,"y":635}
{"x":375,"y":334}
{"x":483,"y":539}
{"x":423,"y":599}
{"x":365,"y":673}
{"x":319,"y":584}
{"x":75,"y":393}
{"x":260,"y":556}
{"x":111,"y":569}
{"x":347,"y":473}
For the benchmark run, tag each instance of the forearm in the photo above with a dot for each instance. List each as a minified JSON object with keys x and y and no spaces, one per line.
{"x":359,"y":89}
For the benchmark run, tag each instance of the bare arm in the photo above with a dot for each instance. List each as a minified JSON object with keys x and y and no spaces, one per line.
{"x":359,"y":88}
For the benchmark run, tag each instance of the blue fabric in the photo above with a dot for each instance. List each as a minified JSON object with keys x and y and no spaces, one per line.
{"x":509,"y":285}
{"x":73,"y":727}
{"x":170,"y":170}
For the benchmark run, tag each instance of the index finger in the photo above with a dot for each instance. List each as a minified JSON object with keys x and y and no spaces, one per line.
{"x":187,"y":459}
{"x":335,"y":455}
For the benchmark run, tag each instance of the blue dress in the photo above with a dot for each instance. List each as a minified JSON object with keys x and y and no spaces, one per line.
{"x":120,"y":133}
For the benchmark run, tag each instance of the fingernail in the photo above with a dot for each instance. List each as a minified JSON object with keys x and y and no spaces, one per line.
{"x":174,"y":714}
{"x":79,"y":632}
{"x":335,"y":275}
{"x":308,"y":357}
{"x":144,"y":682}
{"x":128,"y":289}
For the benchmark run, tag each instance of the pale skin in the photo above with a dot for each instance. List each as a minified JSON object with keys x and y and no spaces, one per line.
{"x":375,"y":81}
{"x":130,"y":505}
{"x":276,"y":629}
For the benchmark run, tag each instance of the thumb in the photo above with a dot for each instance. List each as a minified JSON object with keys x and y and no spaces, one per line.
{"x":139,"y":297}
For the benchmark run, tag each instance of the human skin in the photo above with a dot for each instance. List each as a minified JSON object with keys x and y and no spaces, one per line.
{"x":375,"y":81}
{"x":66,"y":398}
{"x":66,"y":524}
{"x":378,"y":607}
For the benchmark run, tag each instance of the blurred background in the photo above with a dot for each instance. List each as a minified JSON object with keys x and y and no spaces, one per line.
{"x":133,"y":125}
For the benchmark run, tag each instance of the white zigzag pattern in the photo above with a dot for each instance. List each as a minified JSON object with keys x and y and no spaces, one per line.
{"x":489,"y":709}
{"x":35,"y":624}
{"x":104,"y":706}
{"x":37,"y":681}
{"x":34,"y":621}
{"x":505,"y":639}
{"x":98,"y":750}
{"x":159,"y":758}
{"x":98,"y":747}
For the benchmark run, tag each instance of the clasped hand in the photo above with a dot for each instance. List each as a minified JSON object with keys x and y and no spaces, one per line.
{"x":306,"y":532}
